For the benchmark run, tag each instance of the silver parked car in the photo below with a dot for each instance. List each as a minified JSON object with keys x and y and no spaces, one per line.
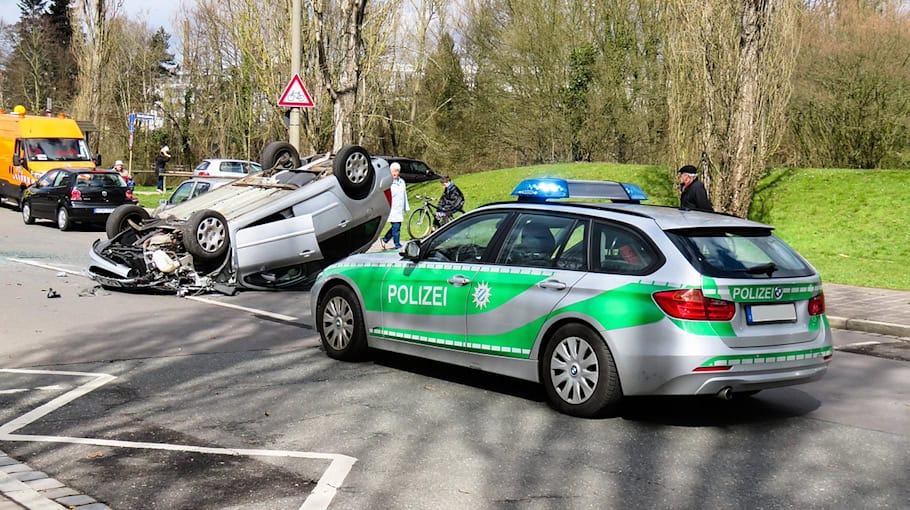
{"x":271,"y":230}
{"x":595,"y":301}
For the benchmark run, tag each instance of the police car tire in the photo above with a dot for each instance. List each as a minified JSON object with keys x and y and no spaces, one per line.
{"x":272,"y":152}
{"x":208,"y":221}
{"x":607,"y":392}
{"x":354,"y":171}
{"x":118,"y":221}
{"x":340,"y":303}
{"x":27,"y":213}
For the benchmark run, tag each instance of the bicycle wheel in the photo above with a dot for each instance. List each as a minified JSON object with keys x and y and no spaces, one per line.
{"x":420,"y":223}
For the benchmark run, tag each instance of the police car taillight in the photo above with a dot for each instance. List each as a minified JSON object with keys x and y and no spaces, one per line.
{"x":75,"y":194}
{"x":817,"y":305}
{"x":691,"y":304}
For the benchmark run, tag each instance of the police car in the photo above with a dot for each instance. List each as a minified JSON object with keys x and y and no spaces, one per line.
{"x":595,"y":300}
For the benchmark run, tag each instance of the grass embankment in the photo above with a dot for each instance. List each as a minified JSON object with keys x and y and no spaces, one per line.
{"x":852,"y":225}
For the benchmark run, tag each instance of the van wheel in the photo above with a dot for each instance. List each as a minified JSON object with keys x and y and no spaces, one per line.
{"x":354,"y":171}
{"x":27,"y":213}
{"x":279,"y":155}
{"x":119,"y":220}
{"x":205,"y":235}
{"x":578,"y":373}
{"x":63,"y":219}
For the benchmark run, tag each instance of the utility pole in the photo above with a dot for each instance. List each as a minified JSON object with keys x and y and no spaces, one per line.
{"x":294,"y":128}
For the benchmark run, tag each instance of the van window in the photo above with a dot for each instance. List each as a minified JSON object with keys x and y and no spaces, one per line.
{"x":57,"y":149}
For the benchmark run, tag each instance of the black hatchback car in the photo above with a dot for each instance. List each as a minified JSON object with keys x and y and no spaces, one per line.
{"x":412,"y":170}
{"x":71,"y":196}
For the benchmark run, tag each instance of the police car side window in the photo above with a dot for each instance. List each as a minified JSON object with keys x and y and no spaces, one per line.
{"x":621,"y":250}
{"x":536,"y":240}
{"x":465,"y":241}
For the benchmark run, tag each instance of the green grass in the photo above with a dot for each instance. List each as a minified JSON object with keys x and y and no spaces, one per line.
{"x":148,"y":196}
{"x":852,"y":225}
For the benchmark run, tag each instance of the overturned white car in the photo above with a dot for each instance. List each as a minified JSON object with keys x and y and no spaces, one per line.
{"x":271,"y":230}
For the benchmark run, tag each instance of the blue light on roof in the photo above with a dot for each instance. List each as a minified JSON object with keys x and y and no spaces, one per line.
{"x":635,"y":192}
{"x":542,"y":188}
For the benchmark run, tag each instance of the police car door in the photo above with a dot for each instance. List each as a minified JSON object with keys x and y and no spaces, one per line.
{"x":426,"y":302}
{"x":541,"y":259}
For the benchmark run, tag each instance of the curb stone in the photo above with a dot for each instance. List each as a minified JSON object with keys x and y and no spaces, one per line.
{"x":39,"y":493}
{"x":867,"y":326}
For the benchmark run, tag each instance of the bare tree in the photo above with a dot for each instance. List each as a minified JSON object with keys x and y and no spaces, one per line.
{"x":339,"y":47}
{"x":93,"y":19}
{"x":730,"y":71}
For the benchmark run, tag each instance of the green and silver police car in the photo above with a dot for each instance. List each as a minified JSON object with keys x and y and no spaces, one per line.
{"x":595,"y":300}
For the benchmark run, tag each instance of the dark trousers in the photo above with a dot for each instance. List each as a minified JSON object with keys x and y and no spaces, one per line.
{"x":160,"y":181}
{"x":394,"y":234}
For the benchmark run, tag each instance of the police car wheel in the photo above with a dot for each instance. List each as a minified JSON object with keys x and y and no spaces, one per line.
{"x":340,"y":324}
{"x":579,"y":374}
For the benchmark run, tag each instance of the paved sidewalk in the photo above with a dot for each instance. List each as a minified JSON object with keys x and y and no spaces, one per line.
{"x":882,"y":311}
{"x":8,"y":504}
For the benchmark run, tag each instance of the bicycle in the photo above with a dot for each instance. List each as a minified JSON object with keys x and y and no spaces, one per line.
{"x":423,"y":220}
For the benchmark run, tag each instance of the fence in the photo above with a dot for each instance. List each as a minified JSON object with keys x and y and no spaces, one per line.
{"x":172,"y":177}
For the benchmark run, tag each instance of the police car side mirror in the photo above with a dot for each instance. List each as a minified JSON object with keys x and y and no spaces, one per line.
{"x":412,"y":250}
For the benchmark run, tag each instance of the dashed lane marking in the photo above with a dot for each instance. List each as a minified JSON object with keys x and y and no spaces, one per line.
{"x":319,"y":499}
{"x":254,"y":311}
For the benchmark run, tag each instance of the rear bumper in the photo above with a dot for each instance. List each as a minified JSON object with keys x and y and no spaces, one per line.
{"x":667,"y":361}
{"x":92,"y":212}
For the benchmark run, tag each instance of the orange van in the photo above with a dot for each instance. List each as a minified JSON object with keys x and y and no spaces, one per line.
{"x":30,"y":145}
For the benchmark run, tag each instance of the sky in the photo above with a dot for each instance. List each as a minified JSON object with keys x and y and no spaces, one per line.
{"x":159,"y":13}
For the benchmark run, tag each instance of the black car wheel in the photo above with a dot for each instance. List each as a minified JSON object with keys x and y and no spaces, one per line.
{"x":27,"y":213}
{"x":63,"y":219}
{"x":579,"y":374}
{"x":279,"y":155}
{"x":119,"y":220}
{"x":340,"y":324}
{"x":354,"y":171}
{"x":205,"y":235}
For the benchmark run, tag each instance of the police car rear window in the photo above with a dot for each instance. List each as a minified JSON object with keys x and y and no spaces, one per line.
{"x":739,"y":253}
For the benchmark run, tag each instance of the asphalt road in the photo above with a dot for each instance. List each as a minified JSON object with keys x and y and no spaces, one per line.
{"x":210,"y":407}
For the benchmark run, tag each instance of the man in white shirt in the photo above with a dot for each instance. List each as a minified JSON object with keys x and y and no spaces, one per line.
{"x":399,"y":207}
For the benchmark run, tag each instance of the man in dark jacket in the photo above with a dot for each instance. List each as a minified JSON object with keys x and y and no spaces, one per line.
{"x":693,"y":195}
{"x":160,"y":161}
{"x":452,"y":200}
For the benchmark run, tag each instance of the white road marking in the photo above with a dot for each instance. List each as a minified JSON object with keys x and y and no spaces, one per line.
{"x":858,"y":344}
{"x":319,"y":498}
{"x":20,"y":390}
{"x":46,"y":266}
{"x":254,"y":311}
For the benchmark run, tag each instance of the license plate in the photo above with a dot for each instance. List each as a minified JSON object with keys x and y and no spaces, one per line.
{"x":104,"y":210}
{"x":783,"y":312}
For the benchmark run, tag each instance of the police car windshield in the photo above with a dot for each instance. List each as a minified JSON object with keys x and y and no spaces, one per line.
{"x":739,"y":253}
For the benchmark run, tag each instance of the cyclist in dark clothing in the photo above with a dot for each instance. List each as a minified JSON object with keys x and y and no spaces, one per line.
{"x":693,"y":196}
{"x":452,"y":200}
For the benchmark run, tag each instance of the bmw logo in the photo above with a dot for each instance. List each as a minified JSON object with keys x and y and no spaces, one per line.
{"x":778,"y":293}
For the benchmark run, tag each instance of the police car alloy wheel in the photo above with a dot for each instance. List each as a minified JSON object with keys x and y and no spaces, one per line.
{"x":340,"y":323}
{"x":579,"y":374}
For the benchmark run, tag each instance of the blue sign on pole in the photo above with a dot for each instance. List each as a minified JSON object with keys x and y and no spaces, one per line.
{"x":132,"y":122}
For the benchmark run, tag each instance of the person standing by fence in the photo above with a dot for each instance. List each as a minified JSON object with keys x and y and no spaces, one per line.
{"x":164,"y":155}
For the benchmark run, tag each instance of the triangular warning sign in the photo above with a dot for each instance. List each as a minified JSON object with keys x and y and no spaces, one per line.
{"x":295,"y":95}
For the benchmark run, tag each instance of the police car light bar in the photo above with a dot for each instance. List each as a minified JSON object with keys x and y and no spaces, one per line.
{"x":549,"y":188}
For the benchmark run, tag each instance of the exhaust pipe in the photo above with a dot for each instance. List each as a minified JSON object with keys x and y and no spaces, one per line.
{"x":725,"y":393}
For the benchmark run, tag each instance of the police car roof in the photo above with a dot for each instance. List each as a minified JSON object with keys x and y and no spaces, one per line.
{"x":666,"y":218}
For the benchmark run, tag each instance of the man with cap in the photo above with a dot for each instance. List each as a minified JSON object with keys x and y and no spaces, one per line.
{"x":118,"y":167}
{"x":693,"y":194}
{"x":160,"y":161}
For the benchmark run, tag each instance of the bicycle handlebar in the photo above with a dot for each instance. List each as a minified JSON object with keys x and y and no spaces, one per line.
{"x":425,"y":198}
